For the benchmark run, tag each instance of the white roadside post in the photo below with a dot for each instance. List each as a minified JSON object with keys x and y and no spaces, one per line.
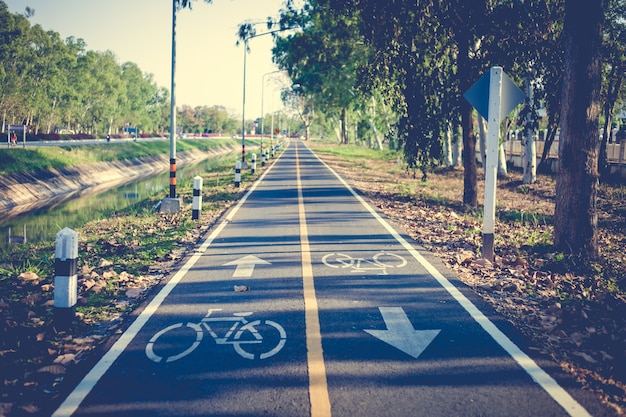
{"x":262,"y":157}
{"x":197,"y":198}
{"x":491,"y":166}
{"x":65,"y":279}
{"x":237,"y":173}
{"x":253,"y":169}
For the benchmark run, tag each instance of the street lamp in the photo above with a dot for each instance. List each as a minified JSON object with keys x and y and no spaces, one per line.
{"x":172,"y":203}
{"x":262,"y":98}
{"x":173,"y":109}
{"x":272,"y":125}
{"x":246,"y":37}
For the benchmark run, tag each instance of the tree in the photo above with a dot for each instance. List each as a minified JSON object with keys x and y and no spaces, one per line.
{"x":615,"y":68}
{"x":575,"y":217}
{"x":14,"y":64}
{"x":323,"y":58}
{"x":304,"y":106}
{"x":181,"y":4}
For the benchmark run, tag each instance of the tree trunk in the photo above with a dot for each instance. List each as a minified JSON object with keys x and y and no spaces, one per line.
{"x":344,"y":126}
{"x":550,"y":137}
{"x":337,"y":129}
{"x":449,"y":162}
{"x":604,"y":169}
{"x":576,"y":217}
{"x":470,"y":182}
{"x":529,"y":147}
{"x":372,"y":122}
{"x":457,"y":146}
{"x":502,"y":169}
{"x":482,"y":139}
{"x":613,"y":88}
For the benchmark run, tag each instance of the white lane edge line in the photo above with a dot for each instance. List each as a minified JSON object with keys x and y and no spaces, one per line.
{"x":84,"y":387}
{"x":541,"y":377}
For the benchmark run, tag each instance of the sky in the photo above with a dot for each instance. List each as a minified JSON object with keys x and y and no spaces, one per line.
{"x":209,"y":65}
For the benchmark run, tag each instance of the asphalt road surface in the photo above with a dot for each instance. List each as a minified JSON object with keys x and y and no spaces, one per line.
{"x":303,"y":301}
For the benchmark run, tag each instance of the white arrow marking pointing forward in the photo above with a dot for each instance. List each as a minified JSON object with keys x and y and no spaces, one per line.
{"x":401,"y":334}
{"x":245,"y":266}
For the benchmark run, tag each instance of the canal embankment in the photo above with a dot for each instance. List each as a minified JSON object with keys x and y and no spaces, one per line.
{"x":21,"y":192}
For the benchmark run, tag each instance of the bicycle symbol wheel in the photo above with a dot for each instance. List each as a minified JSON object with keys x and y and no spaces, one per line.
{"x":379,"y":262}
{"x":338,"y":260}
{"x":271,"y":331}
{"x":389,"y":260}
{"x":156,"y":358}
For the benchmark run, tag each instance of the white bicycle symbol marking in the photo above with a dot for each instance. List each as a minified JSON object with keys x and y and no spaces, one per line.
{"x":241,"y":334}
{"x":379,"y":262}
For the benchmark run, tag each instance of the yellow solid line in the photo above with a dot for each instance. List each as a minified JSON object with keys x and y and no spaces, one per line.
{"x":318,"y":385}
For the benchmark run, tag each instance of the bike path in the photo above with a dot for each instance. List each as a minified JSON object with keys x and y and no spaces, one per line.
{"x":347,"y":318}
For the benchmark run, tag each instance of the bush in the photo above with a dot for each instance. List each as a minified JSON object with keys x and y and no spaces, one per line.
{"x":82,"y":136}
{"x":48,"y":136}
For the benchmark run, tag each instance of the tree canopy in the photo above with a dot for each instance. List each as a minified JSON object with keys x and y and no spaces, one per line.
{"x":53,"y":84}
{"x":420,"y":57}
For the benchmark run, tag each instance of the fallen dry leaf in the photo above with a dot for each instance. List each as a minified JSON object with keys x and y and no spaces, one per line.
{"x":5,"y":409}
{"x":108,"y":274}
{"x":134,"y":293}
{"x":65,"y":359}
{"x":28,"y":276}
{"x":586,"y":357}
{"x":56,"y":369}
{"x":30,"y":408}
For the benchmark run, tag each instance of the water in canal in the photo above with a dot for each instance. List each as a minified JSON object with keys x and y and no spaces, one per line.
{"x":44,"y":223}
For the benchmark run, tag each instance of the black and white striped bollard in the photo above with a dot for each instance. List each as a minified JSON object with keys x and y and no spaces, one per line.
{"x":65,"y":278}
{"x":196,"y":206}
{"x":263,"y":157}
{"x":237,"y":173}
{"x":253,"y":163}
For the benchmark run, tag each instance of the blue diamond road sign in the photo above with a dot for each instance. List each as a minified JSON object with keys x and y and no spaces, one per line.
{"x":478,"y":96}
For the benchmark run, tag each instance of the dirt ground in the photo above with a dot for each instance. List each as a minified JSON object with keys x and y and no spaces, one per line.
{"x":576,"y":318}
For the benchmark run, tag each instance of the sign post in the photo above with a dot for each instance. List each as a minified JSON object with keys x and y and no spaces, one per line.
{"x":491,"y":166}
{"x":494,"y":96}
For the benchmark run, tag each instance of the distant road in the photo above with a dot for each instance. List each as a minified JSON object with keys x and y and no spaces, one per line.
{"x":81,"y":142}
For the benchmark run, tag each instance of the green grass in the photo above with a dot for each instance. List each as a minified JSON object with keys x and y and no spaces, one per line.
{"x":130,"y":240}
{"x":16,"y":160}
{"x":355,"y":153}
{"x":525,"y":218}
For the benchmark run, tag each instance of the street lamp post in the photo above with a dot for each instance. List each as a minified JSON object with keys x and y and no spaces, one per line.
{"x":243,"y":110}
{"x":172,"y":204}
{"x":262,"y":100}
{"x":272,"y":125}
{"x":173,"y":109}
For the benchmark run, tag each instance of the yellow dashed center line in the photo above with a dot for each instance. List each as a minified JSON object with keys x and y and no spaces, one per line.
{"x":318,"y":385}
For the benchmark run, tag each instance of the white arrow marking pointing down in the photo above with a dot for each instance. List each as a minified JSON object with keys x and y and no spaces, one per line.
{"x":245,"y":266}
{"x":401,"y":334}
